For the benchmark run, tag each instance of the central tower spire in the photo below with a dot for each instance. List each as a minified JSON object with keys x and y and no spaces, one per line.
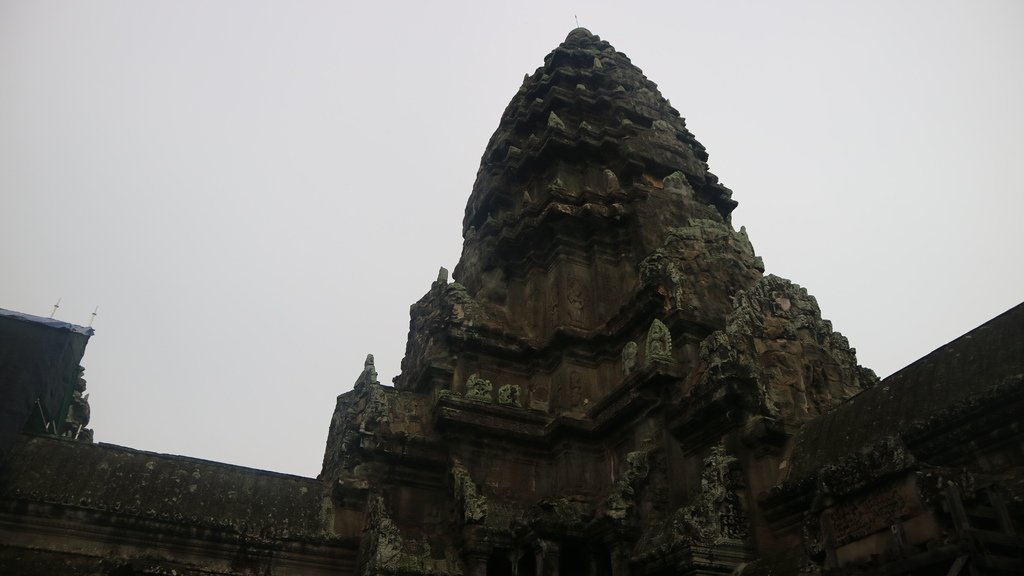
{"x":606,"y":341}
{"x":587,"y":107}
{"x":589,"y":173}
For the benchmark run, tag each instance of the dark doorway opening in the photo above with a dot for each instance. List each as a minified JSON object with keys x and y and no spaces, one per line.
{"x":527,"y":563}
{"x":500,"y":563}
{"x":574,"y":559}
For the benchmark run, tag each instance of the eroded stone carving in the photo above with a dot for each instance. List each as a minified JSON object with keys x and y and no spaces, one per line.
{"x":369,"y":373}
{"x":611,"y":181}
{"x":478,"y":388}
{"x":555,"y":122}
{"x":679,"y":270}
{"x":624,"y":493}
{"x":508,"y":395}
{"x":474,"y":505}
{"x":677,"y":182}
{"x":659,"y":343}
{"x":375,"y":414}
{"x":776,"y":339}
{"x":386,"y":551}
{"x":716,"y":513}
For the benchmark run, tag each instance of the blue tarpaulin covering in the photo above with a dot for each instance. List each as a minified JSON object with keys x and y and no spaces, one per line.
{"x":50,"y":322}
{"x":39,"y":360}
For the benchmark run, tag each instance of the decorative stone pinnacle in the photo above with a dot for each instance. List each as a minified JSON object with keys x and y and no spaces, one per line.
{"x":580,"y":36}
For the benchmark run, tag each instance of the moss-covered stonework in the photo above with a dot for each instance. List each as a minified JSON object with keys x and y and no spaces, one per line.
{"x":154,"y":513}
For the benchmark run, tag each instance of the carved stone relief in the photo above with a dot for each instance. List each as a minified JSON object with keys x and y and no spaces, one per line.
{"x":509,"y":395}
{"x":624,"y":492}
{"x":716,"y":513}
{"x":478,"y":388}
{"x":474,"y":504}
{"x":611,"y":181}
{"x":659,"y":343}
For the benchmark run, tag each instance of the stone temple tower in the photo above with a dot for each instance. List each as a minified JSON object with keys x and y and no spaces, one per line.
{"x":609,"y":386}
{"x":608,"y":378}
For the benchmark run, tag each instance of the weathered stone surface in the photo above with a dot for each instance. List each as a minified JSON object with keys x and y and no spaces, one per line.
{"x":188,"y":491}
{"x":776,"y":339}
{"x":955,"y":382}
{"x":474,"y":506}
{"x":623,"y":496}
{"x":386,"y":551}
{"x":130,"y":510}
{"x":478,"y":388}
{"x":593,"y":225}
{"x":695,"y":263}
{"x":874,"y":473}
{"x":713,"y":516}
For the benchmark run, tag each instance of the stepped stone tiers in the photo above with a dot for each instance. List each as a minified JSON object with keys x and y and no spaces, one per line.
{"x":582,"y":396}
{"x":610,"y":385}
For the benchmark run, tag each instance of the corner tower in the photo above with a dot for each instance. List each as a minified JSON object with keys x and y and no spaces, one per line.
{"x":609,"y":377}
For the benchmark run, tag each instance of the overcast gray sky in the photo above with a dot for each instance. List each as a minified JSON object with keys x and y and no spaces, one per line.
{"x":253,"y":193}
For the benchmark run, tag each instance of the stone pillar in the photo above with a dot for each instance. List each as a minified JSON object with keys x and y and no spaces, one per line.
{"x":619,"y":553}
{"x":475,"y":564}
{"x":591,"y":563}
{"x":547,"y":558}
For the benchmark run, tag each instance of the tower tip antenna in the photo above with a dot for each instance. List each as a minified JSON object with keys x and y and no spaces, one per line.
{"x":55,"y":306}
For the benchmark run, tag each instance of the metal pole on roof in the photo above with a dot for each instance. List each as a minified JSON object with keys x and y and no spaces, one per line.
{"x":55,"y":306}
{"x":97,"y":309}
